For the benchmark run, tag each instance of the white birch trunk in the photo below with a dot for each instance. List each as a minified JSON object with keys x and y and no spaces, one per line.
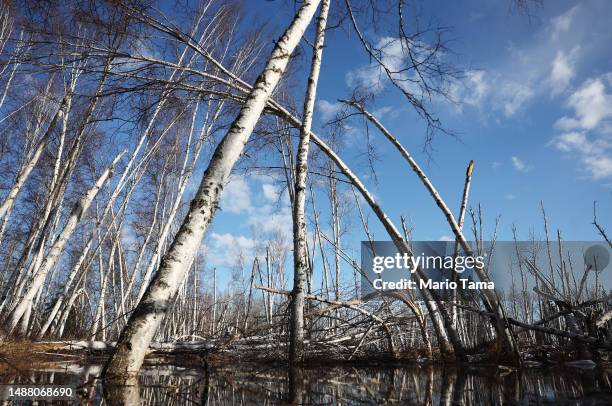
{"x":15,"y":61}
{"x":462,"y":210}
{"x":395,"y":235}
{"x":25,"y":171}
{"x":66,"y":312}
{"x":67,"y":287}
{"x":58,"y":246}
{"x":100,"y":313}
{"x":144,"y":244}
{"x":183,"y":180}
{"x":213,"y":326}
{"x":145,"y":320}
{"x":300,"y":250}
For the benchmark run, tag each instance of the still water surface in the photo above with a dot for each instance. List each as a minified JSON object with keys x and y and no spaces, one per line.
{"x":329,"y":385}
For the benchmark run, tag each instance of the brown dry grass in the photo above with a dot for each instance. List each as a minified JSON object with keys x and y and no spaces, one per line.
{"x":25,"y":354}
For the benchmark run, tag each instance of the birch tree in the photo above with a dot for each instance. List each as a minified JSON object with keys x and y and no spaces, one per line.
{"x":276,"y":108}
{"x":75,"y":217}
{"x":135,"y":338}
{"x":26,"y":170}
{"x":68,"y":286}
{"x":300,"y":249}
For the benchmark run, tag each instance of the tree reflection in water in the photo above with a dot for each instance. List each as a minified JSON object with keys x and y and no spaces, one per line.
{"x":352,"y":385}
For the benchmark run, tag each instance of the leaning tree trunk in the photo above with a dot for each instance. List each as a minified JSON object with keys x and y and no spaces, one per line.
{"x":184,"y":177}
{"x":300,"y":251}
{"x":432,"y":302}
{"x":25,"y":171}
{"x":135,"y":338}
{"x":66,"y":289}
{"x":56,"y":249}
{"x":492,"y":300}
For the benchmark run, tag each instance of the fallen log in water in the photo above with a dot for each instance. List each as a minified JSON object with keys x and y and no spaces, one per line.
{"x":338,"y":347}
{"x":213,"y":345}
{"x":95,"y":370}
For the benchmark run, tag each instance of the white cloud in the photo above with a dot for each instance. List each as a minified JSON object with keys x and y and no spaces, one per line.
{"x":472,"y":90}
{"x":227,"y":248}
{"x":270,"y":192}
{"x":271,"y":219}
{"x":266,"y":214}
{"x":562,"y":23}
{"x":396,"y":59}
{"x":563,"y":70}
{"x":519,"y":165}
{"x":446,"y":238}
{"x":598,"y":165}
{"x":547,"y":65}
{"x":369,"y":77}
{"x":591,"y":102}
{"x":478,"y":87}
{"x":384,"y":111}
{"x":491,"y":91}
{"x":327,"y":110}
{"x":509,"y":196}
{"x":570,"y":142}
{"x":236,"y":196}
{"x":586,"y":134}
{"x":567,"y":124}
{"x":513,"y":96}
{"x":595,"y":155}
{"x":271,"y":216}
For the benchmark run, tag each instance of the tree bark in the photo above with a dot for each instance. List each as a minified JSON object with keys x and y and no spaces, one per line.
{"x":184,"y":177}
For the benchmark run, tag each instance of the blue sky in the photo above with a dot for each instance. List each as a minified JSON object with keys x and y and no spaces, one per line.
{"x":534,"y":111}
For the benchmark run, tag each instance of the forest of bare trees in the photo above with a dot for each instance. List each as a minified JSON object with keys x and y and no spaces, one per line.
{"x":121,"y":124}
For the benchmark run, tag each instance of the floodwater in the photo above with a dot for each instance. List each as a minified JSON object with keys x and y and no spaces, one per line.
{"x":326,"y":385}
